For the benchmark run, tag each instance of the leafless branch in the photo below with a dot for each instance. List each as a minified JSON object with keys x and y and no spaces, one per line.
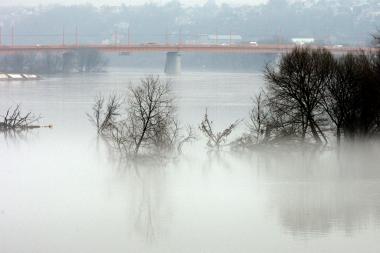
{"x":216,"y":139}
{"x":15,"y":120}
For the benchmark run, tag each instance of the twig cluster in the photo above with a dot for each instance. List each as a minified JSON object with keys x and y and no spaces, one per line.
{"x":15,"y":120}
{"x":216,"y":140}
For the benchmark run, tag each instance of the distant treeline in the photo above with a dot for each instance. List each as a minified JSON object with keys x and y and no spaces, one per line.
{"x":329,"y":21}
{"x":81,"y":60}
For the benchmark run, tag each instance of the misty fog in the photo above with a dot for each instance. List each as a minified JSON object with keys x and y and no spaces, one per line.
{"x":273,"y":148}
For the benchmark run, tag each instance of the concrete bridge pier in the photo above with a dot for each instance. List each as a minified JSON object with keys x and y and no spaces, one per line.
{"x":173,"y":63}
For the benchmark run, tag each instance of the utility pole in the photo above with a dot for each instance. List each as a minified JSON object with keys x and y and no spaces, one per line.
{"x":216,"y":36}
{"x":129,"y":36}
{"x":13,"y":35}
{"x":63,"y":36}
{"x":76,"y":36}
{"x":1,"y":35}
{"x":230,"y":38}
{"x":166,"y":37}
{"x":180,"y":36}
{"x":116,"y":38}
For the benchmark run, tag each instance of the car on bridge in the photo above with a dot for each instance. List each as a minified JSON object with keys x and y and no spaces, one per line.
{"x":150,"y":44}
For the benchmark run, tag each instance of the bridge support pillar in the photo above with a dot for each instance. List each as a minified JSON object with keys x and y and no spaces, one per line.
{"x":173,"y":63}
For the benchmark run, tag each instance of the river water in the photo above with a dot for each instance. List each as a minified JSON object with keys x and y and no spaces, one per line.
{"x":61,"y":190}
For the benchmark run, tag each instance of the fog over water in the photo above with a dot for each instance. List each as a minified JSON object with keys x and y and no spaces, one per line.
{"x":61,"y":190}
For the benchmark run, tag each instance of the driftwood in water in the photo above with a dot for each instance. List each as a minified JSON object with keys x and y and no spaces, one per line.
{"x":14,"y":120}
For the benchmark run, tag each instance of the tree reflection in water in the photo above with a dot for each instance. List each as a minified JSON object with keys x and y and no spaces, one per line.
{"x":313,"y":191}
{"x":328,"y":191}
{"x":146,"y":192}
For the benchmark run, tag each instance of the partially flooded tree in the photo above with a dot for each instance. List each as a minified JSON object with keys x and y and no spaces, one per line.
{"x":259,"y":117}
{"x":145,"y":124}
{"x":216,"y":139}
{"x":364,"y":110}
{"x":105,"y":113}
{"x":151,"y":121}
{"x":296,"y":89}
{"x":15,"y":120}
{"x":339,"y":95}
{"x":352,"y":99}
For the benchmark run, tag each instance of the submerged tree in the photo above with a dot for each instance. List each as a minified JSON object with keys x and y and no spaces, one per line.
{"x":14,"y":121}
{"x":258,"y":123}
{"x":151,"y":120}
{"x":296,"y":90}
{"x":215,"y":139}
{"x":310,"y":89}
{"x":352,"y":99}
{"x":147,"y":124}
{"x":104,"y":116}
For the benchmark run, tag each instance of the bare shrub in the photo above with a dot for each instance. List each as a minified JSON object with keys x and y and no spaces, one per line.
{"x":216,"y":140}
{"x":259,"y":118}
{"x":188,"y":137}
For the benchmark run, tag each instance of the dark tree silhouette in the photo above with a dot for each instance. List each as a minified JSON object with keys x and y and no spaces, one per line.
{"x":296,"y":88}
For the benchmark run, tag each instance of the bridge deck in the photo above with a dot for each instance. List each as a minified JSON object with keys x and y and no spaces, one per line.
{"x":206,"y":48}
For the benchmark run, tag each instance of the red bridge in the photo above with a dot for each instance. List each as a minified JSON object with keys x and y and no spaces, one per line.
{"x":155,"y":47}
{"x":173,"y":59}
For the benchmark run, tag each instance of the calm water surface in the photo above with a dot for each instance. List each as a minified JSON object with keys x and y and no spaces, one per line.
{"x":62,"y":191}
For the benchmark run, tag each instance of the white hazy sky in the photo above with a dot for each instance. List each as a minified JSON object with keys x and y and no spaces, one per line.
{"x":118,"y":2}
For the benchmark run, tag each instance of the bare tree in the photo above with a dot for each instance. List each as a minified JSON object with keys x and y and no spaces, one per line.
{"x":340,"y":94}
{"x":216,"y":139}
{"x":104,"y":117}
{"x":296,"y":89}
{"x":148,"y":123}
{"x":151,"y":115}
{"x":188,"y":137}
{"x":258,"y":123}
{"x":352,"y":100}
